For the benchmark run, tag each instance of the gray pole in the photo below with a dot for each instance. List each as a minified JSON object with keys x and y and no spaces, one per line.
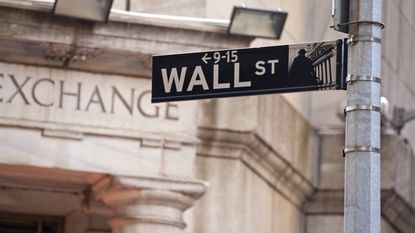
{"x":362,"y":147}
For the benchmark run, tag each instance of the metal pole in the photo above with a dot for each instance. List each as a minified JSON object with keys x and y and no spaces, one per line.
{"x":362,"y":147}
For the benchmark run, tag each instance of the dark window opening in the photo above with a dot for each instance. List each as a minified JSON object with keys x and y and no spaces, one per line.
{"x":22,"y":223}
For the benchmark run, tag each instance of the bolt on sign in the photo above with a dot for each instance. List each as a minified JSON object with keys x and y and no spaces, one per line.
{"x":250,"y":71}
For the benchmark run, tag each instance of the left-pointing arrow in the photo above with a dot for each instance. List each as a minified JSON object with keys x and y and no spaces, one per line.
{"x":205,"y":58}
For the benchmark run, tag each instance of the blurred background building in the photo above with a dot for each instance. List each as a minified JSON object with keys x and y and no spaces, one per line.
{"x":82,"y":149}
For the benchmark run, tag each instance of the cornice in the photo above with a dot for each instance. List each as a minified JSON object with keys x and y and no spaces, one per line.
{"x":260,"y":157}
{"x":394,"y":209}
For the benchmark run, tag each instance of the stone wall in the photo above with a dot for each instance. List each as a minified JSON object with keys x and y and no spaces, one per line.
{"x":270,"y":161}
{"x":398,"y":58}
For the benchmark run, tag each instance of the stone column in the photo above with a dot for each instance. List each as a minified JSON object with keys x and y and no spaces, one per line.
{"x":148,"y":205}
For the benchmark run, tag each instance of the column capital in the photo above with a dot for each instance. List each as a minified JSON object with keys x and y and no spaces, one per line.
{"x":148,"y":204}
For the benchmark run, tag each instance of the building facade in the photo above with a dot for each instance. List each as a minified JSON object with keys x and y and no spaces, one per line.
{"x":82,"y":149}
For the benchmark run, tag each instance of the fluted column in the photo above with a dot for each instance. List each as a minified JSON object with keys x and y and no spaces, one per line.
{"x":148,"y":205}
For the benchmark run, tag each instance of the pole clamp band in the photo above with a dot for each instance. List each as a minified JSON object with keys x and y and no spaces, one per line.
{"x":364,"y":22}
{"x":361,"y":107}
{"x":349,"y":149}
{"x":352,"y":78}
{"x":354,"y":39}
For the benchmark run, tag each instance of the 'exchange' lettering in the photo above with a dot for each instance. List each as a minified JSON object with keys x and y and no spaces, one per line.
{"x":50,"y":93}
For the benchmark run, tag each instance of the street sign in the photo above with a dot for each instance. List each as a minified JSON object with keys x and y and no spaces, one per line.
{"x":250,"y":71}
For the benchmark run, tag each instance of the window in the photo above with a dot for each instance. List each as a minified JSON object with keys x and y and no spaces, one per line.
{"x":21,"y":223}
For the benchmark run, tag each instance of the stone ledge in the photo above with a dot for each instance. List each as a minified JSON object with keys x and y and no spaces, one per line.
{"x":40,"y":38}
{"x":397,"y":181}
{"x":257,"y":155}
{"x":399,"y":213}
{"x":394,"y":209}
{"x":194,"y":188}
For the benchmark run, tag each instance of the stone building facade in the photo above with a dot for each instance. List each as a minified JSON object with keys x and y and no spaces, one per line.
{"x":82,"y":149}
